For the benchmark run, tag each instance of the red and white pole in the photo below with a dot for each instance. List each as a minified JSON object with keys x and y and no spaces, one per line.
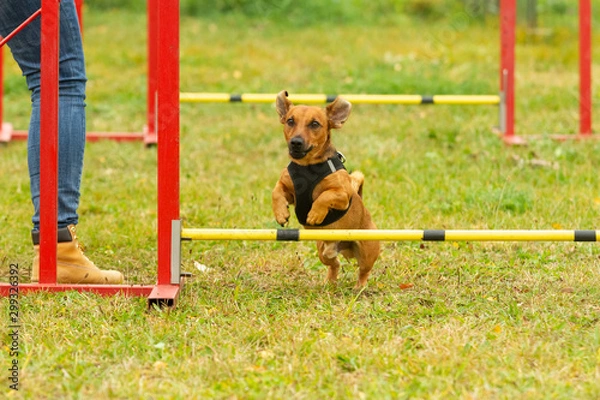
{"x":150,"y":129}
{"x":1,"y":86}
{"x":5,"y":127}
{"x":585,"y":67}
{"x":508,"y":15}
{"x":79,"y":7}
{"x":167,"y":97}
{"x":49,"y":139}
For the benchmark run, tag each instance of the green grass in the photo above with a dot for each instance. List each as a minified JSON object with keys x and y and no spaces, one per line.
{"x":444,"y":320}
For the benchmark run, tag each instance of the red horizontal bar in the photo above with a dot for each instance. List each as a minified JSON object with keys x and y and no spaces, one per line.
{"x":117,"y":136}
{"x":563,"y":137}
{"x":105,"y":290}
{"x":96,"y":136}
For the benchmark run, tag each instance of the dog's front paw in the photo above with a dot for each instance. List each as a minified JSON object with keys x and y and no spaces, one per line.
{"x":282,"y":217}
{"x":316,"y":216}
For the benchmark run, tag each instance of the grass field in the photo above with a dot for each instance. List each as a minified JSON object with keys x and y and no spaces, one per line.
{"x":443,"y":320}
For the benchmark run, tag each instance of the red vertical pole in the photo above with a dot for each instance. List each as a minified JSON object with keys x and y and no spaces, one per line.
{"x":508,"y":14}
{"x":5,"y":128}
{"x":167,"y":85}
{"x":150,"y":131}
{"x":49,"y":139}
{"x":1,"y":85}
{"x":585,"y":67}
{"x":79,"y":6}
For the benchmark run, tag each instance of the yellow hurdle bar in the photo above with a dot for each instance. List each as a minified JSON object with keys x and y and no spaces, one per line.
{"x":464,"y":100}
{"x":270,"y":98}
{"x":204,"y":98}
{"x":408,"y":99}
{"x":392,"y":235}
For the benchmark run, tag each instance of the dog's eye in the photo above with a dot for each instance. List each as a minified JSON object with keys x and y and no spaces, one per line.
{"x":290,"y":122}
{"x":314,"y":125}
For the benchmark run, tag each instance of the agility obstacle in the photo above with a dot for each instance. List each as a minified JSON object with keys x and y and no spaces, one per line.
{"x":505,"y":100}
{"x":328,"y":98}
{"x":148,"y":133}
{"x":164,"y":81}
{"x":392,"y":235}
{"x":508,"y":16}
{"x":180,"y":234}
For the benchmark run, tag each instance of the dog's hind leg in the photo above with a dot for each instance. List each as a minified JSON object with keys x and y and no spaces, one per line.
{"x":328,"y":253}
{"x":368,"y":252}
{"x":358,"y":179}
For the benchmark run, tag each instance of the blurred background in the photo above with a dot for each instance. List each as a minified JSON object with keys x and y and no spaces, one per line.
{"x":315,"y":11}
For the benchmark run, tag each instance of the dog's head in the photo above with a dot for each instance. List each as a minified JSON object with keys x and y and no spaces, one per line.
{"x":308,"y":129}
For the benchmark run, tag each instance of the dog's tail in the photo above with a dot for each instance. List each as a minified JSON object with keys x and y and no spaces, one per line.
{"x":358,"y":179}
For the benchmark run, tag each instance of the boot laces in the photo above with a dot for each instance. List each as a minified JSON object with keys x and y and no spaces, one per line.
{"x":79,"y":245}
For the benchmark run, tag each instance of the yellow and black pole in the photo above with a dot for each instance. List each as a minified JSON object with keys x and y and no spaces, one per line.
{"x":392,"y":235}
{"x":408,"y":99}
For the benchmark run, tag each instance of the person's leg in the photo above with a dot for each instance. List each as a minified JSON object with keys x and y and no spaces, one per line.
{"x":25,"y":47}
{"x":73,"y":266}
{"x":71,"y":143}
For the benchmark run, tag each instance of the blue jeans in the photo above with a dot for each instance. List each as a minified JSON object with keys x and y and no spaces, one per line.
{"x":25,"y":47}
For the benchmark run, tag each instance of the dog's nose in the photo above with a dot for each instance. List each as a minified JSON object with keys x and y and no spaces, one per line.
{"x":297,"y":143}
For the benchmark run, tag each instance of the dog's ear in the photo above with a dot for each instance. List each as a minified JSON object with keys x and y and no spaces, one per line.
{"x":338,"y":112}
{"x":283,"y":105}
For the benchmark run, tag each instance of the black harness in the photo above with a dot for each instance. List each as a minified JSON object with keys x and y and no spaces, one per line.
{"x":305,"y":179}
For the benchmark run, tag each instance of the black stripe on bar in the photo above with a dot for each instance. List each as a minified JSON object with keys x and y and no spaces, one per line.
{"x":585,"y":236}
{"x":235,"y":98}
{"x":288,"y":234}
{"x":331,"y":98}
{"x":426,"y":99}
{"x":434,"y":235}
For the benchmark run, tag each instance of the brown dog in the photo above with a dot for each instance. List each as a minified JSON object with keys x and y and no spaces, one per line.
{"x":324,"y":195}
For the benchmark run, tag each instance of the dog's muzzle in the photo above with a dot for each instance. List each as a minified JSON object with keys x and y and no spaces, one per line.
{"x":297,"y":148}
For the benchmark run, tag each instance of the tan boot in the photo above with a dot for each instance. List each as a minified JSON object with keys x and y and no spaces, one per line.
{"x":72,"y":266}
